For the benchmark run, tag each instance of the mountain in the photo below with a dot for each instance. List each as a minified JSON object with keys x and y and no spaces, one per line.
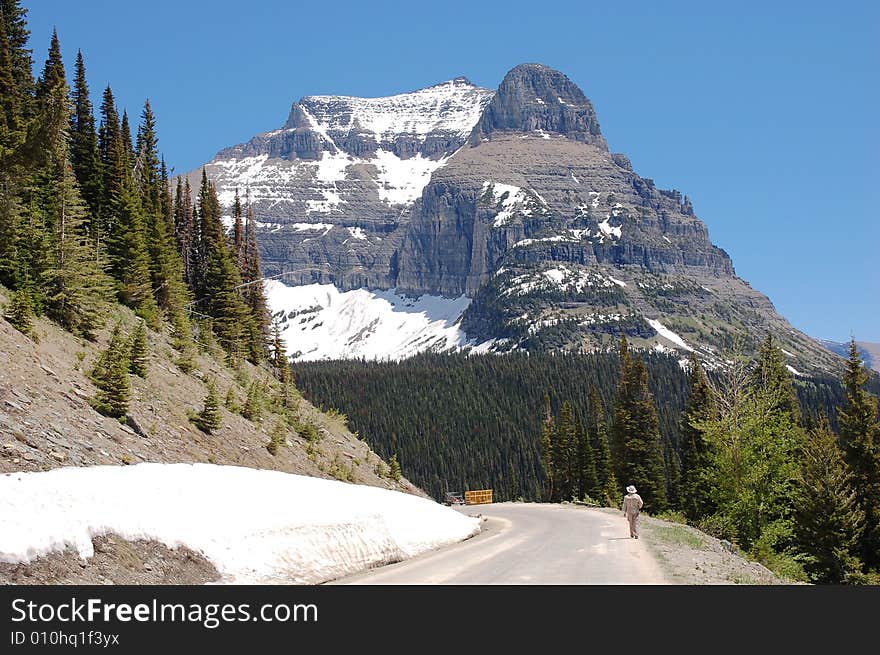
{"x":506,"y":209}
{"x":870,"y":352}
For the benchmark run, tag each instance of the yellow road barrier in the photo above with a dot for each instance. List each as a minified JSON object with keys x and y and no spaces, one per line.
{"x":478,"y":497}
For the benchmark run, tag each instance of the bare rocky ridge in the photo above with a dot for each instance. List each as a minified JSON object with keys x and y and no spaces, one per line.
{"x":511,"y":197}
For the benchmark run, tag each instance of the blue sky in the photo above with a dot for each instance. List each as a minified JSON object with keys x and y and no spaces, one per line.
{"x":764,"y":113}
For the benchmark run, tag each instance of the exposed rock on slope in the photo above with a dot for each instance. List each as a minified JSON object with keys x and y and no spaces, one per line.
{"x":46,"y":420}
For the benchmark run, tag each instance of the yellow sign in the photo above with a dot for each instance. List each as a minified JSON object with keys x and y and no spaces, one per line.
{"x":478,"y":497}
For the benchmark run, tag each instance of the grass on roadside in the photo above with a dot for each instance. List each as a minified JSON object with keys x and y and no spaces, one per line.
{"x":678,"y":536}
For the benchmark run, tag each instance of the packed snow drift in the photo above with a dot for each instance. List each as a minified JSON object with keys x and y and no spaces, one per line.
{"x":255,"y":526}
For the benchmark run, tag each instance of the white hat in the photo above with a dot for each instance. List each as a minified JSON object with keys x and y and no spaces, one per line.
{"x":630,"y":489}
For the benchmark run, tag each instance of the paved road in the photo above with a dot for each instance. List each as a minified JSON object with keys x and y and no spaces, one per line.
{"x":531,"y":543}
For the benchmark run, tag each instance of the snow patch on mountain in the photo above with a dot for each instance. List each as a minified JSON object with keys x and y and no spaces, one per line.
{"x":666,"y":333}
{"x":321,"y":322}
{"x":454,"y":106}
{"x":401,"y":181}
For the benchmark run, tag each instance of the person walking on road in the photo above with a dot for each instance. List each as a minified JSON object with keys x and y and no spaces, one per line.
{"x":632,"y":505}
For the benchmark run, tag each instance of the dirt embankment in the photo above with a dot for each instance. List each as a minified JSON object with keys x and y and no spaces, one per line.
{"x":116,"y":561}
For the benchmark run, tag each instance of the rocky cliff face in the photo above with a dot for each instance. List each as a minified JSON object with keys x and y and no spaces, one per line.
{"x":535,"y":98}
{"x":510,"y":198}
{"x":333,"y":188}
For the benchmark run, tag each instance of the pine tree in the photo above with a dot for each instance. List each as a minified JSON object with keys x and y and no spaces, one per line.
{"x":238,"y":234}
{"x":254,"y":292}
{"x":395,"y":472}
{"x":139,"y":349}
{"x":210,"y":418}
{"x":565,"y":453}
{"x":606,"y":489}
{"x":166,"y":266}
{"x":586,"y":465}
{"x":124,"y":219}
{"x":231,"y":402}
{"x":770,"y":373}
{"x":18,"y":100}
{"x":219,"y":277}
{"x":20,"y":311}
{"x":73,"y":287}
{"x":185,"y":231}
{"x":253,"y":404}
{"x":637,"y":433}
{"x":110,"y":376}
{"x":84,"y":152}
{"x":546,"y":444}
{"x":859,"y":421}
{"x":828,"y":518}
{"x":15,"y":88}
{"x":697,"y":501}
{"x":112,"y":156}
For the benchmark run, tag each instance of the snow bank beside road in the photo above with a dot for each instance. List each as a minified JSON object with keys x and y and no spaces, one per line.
{"x":255,"y":526}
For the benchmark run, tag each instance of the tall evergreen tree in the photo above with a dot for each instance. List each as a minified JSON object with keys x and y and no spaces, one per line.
{"x":565,"y":453}
{"x":586,"y":465}
{"x":72,"y":284}
{"x":218,"y":291}
{"x":828,"y":517}
{"x":13,"y":129}
{"x":637,"y":433}
{"x":254,"y":291}
{"x":238,"y":244}
{"x":859,"y":421}
{"x":606,"y":489}
{"x":770,"y":372}
{"x":84,"y":153}
{"x":546,"y":443}
{"x":166,"y":267}
{"x":20,"y":65}
{"x":697,"y":501}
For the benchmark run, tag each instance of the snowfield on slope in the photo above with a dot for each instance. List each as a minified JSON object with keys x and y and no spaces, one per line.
{"x":255,"y":526}
{"x":322,"y":322}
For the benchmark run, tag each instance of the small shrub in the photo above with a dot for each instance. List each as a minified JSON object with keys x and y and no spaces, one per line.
{"x":110,"y":375}
{"x":232,"y":403}
{"x":210,"y":419}
{"x":252,"y":409}
{"x":278,"y":438}
{"x":394,"y":469}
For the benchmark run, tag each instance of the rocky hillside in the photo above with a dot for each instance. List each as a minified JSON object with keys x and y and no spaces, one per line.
{"x":511,"y":200}
{"x":46,"y":420}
